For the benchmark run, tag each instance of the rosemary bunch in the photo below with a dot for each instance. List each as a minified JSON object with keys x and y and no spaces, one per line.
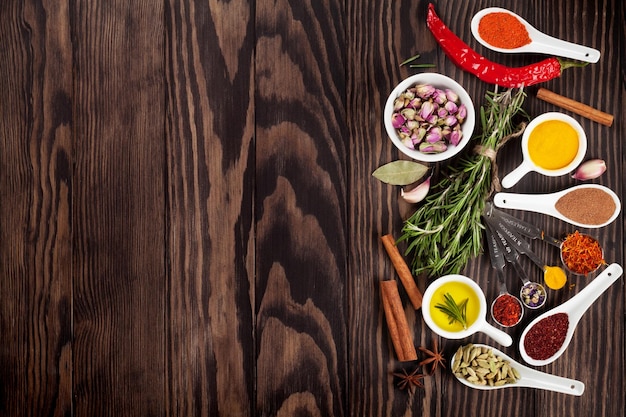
{"x":445,"y":231}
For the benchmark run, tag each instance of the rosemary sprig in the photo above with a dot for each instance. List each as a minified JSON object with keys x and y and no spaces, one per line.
{"x":445,"y":232}
{"x":456,"y":312}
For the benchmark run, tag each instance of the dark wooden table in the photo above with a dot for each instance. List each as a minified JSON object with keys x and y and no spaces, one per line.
{"x":189,"y":224}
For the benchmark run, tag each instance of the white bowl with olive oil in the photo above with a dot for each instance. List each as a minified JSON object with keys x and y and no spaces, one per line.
{"x":468,"y":296}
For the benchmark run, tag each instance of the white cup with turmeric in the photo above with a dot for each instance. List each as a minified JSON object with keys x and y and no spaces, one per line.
{"x":553,"y":144}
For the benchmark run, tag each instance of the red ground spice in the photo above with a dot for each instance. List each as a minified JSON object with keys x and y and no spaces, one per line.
{"x":503,"y":30}
{"x":546,"y":337}
{"x":507,"y":310}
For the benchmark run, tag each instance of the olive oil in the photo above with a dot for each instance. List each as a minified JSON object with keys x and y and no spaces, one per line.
{"x":459,"y":292}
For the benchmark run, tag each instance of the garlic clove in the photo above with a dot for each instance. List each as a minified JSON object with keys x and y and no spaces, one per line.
{"x":418,"y":193}
{"x":590,"y":169}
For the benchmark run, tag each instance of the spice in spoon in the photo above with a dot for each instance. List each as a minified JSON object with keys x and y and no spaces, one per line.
{"x":503,"y":30}
{"x":581,"y":254}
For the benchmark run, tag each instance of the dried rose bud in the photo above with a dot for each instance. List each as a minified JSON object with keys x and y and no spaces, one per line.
{"x":408,"y":113}
{"x":418,"y":193}
{"x":397,"y":120}
{"x":408,"y":142}
{"x":456,"y":136}
{"x":440,"y":97}
{"x":426,"y":110}
{"x":450,"y":121}
{"x":434,"y":135}
{"x":451,"y":107}
{"x":398,"y":103}
{"x":415,"y":103}
{"x":424,"y":90}
{"x":442,"y":112}
{"x":452,"y":96}
{"x":590,"y":169}
{"x":462,"y":113}
{"x":436,"y":147}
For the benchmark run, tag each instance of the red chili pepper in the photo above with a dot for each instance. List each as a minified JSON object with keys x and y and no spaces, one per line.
{"x":469,"y":60}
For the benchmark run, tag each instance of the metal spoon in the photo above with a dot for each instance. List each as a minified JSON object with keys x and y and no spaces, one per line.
{"x":529,"y":378}
{"x":521,"y":226}
{"x":575,"y":307}
{"x":529,"y":288}
{"x":524,"y":247}
{"x":545,"y":203}
{"x":540,"y":42}
{"x":498,"y":263}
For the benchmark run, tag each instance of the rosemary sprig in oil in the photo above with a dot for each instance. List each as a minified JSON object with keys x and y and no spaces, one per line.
{"x":455,"y":312}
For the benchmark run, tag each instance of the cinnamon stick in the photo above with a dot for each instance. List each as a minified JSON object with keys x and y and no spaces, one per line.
{"x":575,"y":106}
{"x":404,"y":273}
{"x":396,"y":321}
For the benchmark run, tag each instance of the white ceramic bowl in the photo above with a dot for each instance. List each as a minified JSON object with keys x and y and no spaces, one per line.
{"x":438,"y":81}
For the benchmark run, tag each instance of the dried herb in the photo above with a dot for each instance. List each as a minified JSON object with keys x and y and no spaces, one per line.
{"x":445,"y":232}
{"x":400,"y":172}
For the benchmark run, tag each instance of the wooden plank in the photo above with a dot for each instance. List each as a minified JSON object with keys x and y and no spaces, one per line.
{"x":35,"y":209}
{"x":210,"y":143}
{"x":301,"y":207}
{"x":118,"y":208}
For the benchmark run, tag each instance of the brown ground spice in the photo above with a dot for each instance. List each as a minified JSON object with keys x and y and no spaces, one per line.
{"x":587,"y":206}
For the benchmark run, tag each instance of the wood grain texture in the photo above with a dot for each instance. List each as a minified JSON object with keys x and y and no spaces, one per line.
{"x":301,"y":209}
{"x":118,"y":208}
{"x":35,"y":208}
{"x":210,"y":163}
{"x":189,"y":222}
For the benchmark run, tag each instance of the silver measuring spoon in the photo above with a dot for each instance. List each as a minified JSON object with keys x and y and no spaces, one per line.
{"x":532,"y":294}
{"x":540,"y":42}
{"x":498,"y":262}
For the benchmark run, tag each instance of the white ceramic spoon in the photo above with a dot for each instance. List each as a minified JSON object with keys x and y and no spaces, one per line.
{"x":530,"y":378}
{"x":575,"y":307}
{"x":545,"y":203}
{"x":540,"y":42}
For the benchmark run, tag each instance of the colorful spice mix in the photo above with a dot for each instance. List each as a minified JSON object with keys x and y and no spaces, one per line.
{"x":581,"y":254}
{"x":591,"y":206}
{"x":503,"y":30}
{"x":546,"y":337}
{"x":507,"y":310}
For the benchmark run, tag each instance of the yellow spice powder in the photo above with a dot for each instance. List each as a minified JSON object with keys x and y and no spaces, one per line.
{"x":553,"y":144}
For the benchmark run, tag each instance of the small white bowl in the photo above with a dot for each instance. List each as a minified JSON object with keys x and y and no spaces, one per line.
{"x":438,"y":81}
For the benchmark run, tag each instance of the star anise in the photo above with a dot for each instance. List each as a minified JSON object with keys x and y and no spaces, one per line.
{"x":409,"y":380}
{"x":435,"y":357}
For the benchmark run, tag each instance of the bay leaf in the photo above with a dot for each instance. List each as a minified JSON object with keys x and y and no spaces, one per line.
{"x":400,"y":172}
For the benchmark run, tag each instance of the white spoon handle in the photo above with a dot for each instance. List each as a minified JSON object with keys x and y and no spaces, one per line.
{"x":517,"y":174}
{"x":496,"y":334}
{"x":542,"y":380}
{"x":559,"y":47}
{"x":537,"y":203}
{"x":583,"y":300}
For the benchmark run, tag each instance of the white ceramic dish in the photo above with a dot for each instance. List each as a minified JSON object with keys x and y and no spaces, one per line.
{"x":530,"y":378}
{"x":545,"y":203}
{"x":540,"y":42}
{"x":438,"y":81}
{"x":480,"y":325}
{"x":575,"y":307}
{"x":528,"y":165}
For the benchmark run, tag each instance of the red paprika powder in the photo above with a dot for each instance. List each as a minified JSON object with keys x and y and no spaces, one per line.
{"x":506,"y":310}
{"x":502,"y":30}
{"x":546,"y":337}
